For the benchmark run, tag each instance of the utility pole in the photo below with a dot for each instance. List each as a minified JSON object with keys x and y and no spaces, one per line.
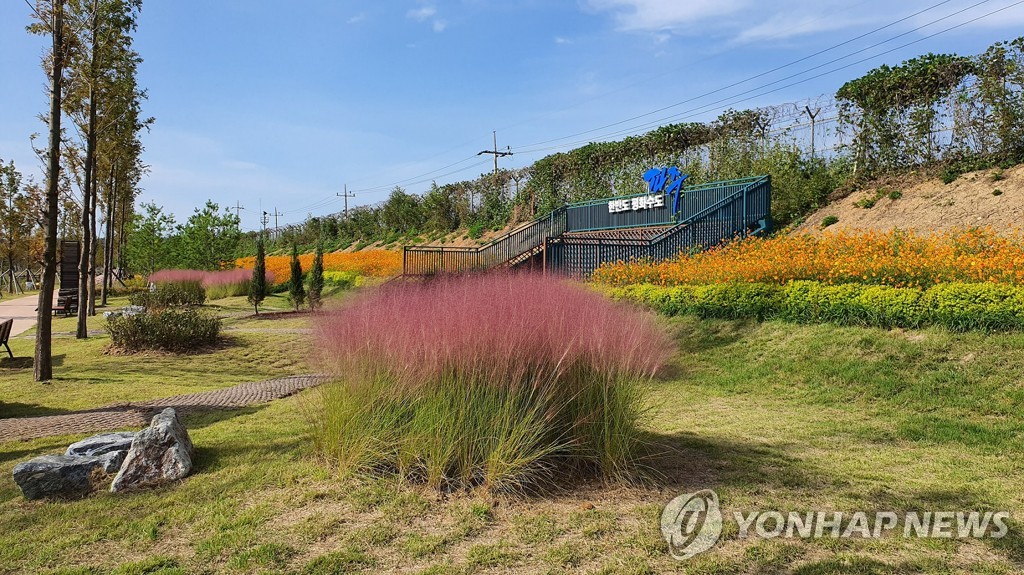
{"x":813,"y":116}
{"x":347,"y":195}
{"x":238,"y":210}
{"x":496,"y":153}
{"x":264,"y":220}
{"x":276,"y":215}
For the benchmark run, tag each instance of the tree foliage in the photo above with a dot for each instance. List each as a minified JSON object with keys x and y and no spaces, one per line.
{"x":208,"y":239}
{"x":316,"y":278}
{"x":296,"y":288}
{"x":258,"y":290}
{"x":151,"y":242}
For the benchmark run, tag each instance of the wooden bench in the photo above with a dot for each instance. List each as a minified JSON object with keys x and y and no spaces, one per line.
{"x":5,"y":335}
{"x":66,"y":305}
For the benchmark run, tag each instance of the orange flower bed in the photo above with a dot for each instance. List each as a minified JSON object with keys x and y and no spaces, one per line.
{"x":896,"y":258}
{"x":370,"y":263}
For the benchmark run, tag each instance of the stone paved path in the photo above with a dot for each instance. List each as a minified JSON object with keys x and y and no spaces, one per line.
{"x":138,"y":414}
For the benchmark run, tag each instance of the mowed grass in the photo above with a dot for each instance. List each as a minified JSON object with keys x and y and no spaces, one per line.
{"x":771,"y":416}
{"x":86,"y":375}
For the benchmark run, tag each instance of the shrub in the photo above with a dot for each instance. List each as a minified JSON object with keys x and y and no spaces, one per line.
{"x":497,"y":381}
{"x":476,"y":231}
{"x":175,"y":330}
{"x":135,"y":284}
{"x":296,"y":288}
{"x":316,"y":278}
{"x":957,"y":306}
{"x":343,"y":280}
{"x":829,"y":221}
{"x":997,"y":192}
{"x":895,"y":195}
{"x":171,"y":294}
{"x":258,"y":288}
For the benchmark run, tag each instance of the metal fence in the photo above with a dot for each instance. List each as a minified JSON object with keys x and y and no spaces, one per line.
{"x":709,"y":214}
{"x":732,"y":209}
{"x":508,"y":249}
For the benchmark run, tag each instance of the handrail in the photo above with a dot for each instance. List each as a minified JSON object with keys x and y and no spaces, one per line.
{"x":502,"y":249}
{"x":751,"y":182}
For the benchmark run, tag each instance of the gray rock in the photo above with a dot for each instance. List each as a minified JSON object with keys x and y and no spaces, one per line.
{"x":116,"y":445}
{"x":128,"y":311}
{"x":160,"y":454}
{"x":62,"y":476}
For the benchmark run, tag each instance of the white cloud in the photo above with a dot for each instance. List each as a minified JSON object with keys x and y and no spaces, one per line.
{"x":357,"y":18}
{"x":785,"y":26}
{"x":422,"y":13}
{"x":561,"y":40}
{"x":425,"y":13}
{"x":665,"y":14}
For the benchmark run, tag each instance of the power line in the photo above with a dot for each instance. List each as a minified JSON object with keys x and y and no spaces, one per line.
{"x":707,"y":107}
{"x":819,"y":66}
{"x":526,"y":148}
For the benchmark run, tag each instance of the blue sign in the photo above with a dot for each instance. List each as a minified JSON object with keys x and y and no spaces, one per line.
{"x":667,"y":181}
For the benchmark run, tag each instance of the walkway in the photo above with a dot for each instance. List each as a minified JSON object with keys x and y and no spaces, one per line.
{"x":22,"y":309}
{"x":120,"y":416}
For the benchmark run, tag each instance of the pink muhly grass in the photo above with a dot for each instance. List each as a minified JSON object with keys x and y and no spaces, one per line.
{"x":500,"y":381}
{"x":500,"y":327}
{"x":176,"y":276}
{"x":226,"y":277}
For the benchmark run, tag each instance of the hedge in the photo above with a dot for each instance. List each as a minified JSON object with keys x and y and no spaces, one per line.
{"x":957,"y":306}
{"x":175,"y":330}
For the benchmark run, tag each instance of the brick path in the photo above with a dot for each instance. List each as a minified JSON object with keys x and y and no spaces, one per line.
{"x":124,"y":415}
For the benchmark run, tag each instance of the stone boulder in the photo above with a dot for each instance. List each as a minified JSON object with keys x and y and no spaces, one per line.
{"x":114,"y":444}
{"x":64,"y":476}
{"x":160,"y":454}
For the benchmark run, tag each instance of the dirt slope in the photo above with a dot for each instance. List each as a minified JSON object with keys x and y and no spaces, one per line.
{"x":930,"y":206}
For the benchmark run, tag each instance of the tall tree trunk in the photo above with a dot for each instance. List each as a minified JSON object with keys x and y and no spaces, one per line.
{"x":85,"y":255}
{"x":108,"y":242}
{"x":92,"y":248}
{"x":43,"y":367}
{"x":121,"y":237}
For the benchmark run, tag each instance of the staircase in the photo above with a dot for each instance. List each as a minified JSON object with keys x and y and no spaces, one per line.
{"x":508,"y":250}
{"x":576,"y":239}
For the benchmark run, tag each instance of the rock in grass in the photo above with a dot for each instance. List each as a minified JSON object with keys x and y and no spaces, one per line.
{"x":160,"y":454}
{"x":117,"y":444}
{"x":62,"y":476}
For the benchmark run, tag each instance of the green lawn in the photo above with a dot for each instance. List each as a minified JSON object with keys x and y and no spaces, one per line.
{"x":771,"y":416}
{"x":87,"y":375}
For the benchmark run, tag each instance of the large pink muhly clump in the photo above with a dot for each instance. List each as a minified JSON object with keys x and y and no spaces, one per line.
{"x":504,"y":328}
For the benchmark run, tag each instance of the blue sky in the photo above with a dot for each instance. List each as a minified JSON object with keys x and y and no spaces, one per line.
{"x":280,"y":103}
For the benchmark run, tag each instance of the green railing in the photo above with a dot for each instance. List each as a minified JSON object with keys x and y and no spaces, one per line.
{"x":736,"y":208}
{"x":431,"y":260}
{"x":710,"y":213}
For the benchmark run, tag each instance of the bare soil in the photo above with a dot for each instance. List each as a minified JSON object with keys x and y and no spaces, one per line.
{"x":988,"y":198}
